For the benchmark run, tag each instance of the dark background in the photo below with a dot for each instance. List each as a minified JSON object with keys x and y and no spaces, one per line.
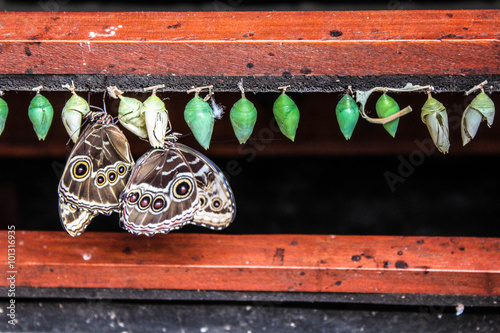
{"x":297,"y":191}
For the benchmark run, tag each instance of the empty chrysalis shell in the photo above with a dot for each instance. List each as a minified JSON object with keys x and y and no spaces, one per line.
{"x":347,"y":112}
{"x":199,"y":116}
{"x":4,"y":111}
{"x":243,"y":116}
{"x":481,"y":108}
{"x":156,"y":118}
{"x":287,"y":115}
{"x":385,"y":107}
{"x":217,"y":109}
{"x":40,"y":113}
{"x":435,"y":117}
{"x":72,"y":113}
{"x":129,"y":115}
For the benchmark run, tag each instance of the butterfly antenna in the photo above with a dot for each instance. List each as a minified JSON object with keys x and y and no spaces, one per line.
{"x":114,"y":120}
{"x":123,"y":115}
{"x":185,"y":135}
{"x":97,"y":108}
{"x":104,"y":101}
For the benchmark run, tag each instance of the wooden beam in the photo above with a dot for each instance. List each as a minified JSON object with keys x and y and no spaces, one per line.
{"x":284,"y":263}
{"x":429,"y":42}
{"x":304,"y":83}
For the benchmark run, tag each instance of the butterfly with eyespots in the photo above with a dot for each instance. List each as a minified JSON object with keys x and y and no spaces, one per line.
{"x":95,"y":174}
{"x":173,"y":186}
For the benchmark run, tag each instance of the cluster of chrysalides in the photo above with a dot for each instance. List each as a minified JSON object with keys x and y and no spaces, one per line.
{"x":433,"y":113}
{"x":149,"y":119}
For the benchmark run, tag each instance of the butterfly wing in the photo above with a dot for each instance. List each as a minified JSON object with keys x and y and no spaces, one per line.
{"x":217,"y":205}
{"x":74,"y":220}
{"x":94,"y":176}
{"x":161,"y":194}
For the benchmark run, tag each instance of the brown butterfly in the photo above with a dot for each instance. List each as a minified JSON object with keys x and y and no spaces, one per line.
{"x":95,"y":174}
{"x":172,"y":186}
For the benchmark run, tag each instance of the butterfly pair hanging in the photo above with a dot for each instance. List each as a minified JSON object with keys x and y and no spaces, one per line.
{"x":167,"y":188}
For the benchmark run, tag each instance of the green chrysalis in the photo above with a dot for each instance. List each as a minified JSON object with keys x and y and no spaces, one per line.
{"x":286,"y":114}
{"x":72,"y":113}
{"x":40,"y":113}
{"x":347,"y":112}
{"x":200,"y":118}
{"x":385,"y":107}
{"x":4,"y":111}
{"x":243,"y":116}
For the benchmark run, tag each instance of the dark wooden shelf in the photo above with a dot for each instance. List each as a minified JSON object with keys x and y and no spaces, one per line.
{"x":270,"y":263}
{"x":317,"y":51}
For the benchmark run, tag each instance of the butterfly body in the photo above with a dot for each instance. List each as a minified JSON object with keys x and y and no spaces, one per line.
{"x":173,"y":186}
{"x":95,"y":174}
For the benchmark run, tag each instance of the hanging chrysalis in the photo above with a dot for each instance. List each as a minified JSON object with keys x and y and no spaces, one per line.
{"x":385,"y":107}
{"x":156,"y":118}
{"x":129,"y":113}
{"x":347,"y":112}
{"x":4,"y":111}
{"x":286,"y":114}
{"x":435,"y":117}
{"x":40,"y":113}
{"x":481,"y":108}
{"x":73,"y":112}
{"x":243,"y":116}
{"x":199,"y":116}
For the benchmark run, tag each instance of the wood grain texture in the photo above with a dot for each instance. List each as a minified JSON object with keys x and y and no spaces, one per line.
{"x":302,"y":263}
{"x":251,"y":43}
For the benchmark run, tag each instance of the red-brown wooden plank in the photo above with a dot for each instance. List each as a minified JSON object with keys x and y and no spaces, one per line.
{"x":251,"y":43}
{"x":306,"y":263}
{"x":250,"y":26}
